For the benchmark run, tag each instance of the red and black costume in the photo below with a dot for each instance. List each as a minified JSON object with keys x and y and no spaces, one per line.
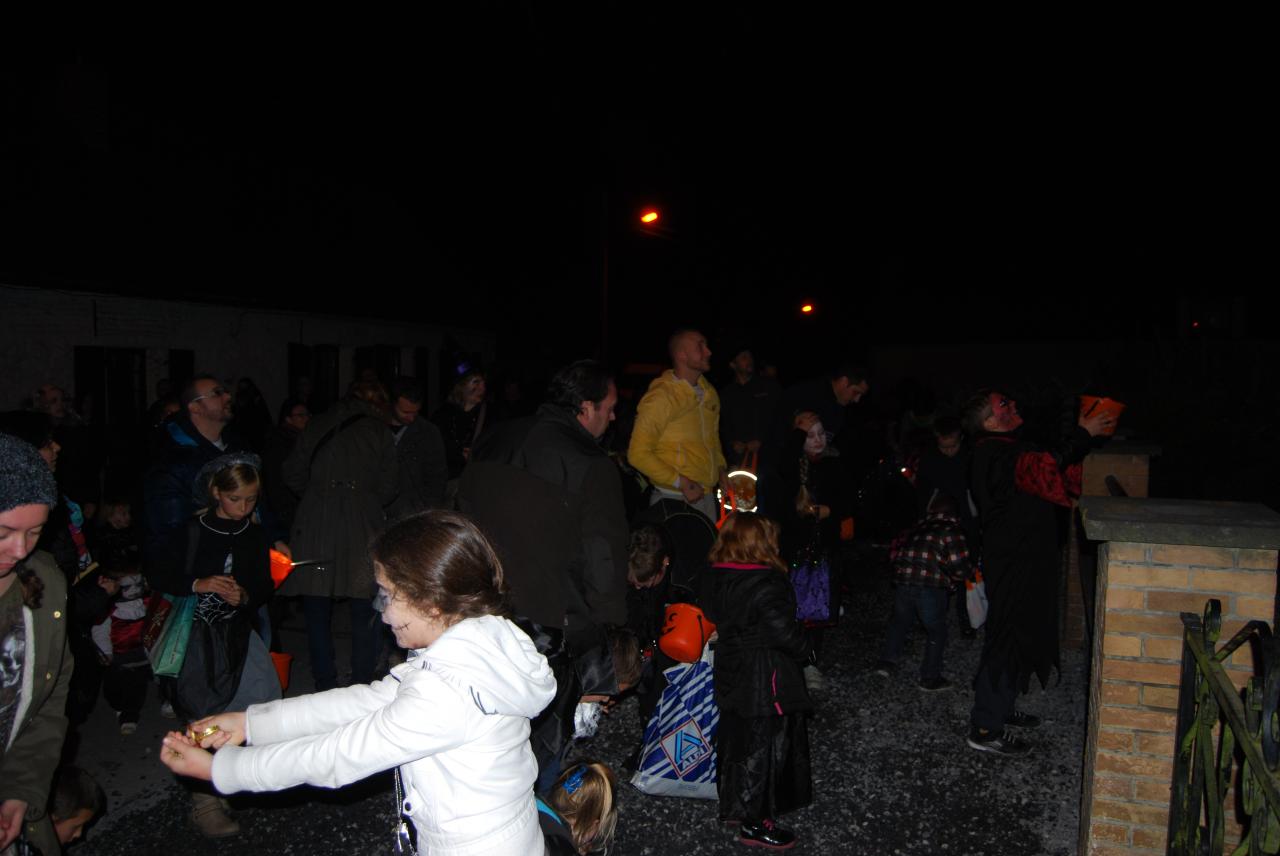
{"x":1019,"y":488}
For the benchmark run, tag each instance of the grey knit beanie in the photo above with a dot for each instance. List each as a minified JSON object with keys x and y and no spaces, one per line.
{"x":25,"y":478}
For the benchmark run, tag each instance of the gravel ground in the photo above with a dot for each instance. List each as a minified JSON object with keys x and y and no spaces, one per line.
{"x":892,"y":774}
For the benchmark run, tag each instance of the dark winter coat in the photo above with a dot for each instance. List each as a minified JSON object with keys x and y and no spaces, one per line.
{"x":1019,"y":489}
{"x":550,"y":498}
{"x":345,"y":482}
{"x":423,"y":469}
{"x":762,"y":649}
{"x":166,"y":490}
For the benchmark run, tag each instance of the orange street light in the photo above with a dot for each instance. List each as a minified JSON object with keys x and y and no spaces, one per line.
{"x":807,"y":308}
{"x":649,"y":217}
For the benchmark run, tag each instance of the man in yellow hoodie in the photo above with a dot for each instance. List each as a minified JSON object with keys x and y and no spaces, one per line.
{"x":676,"y":440}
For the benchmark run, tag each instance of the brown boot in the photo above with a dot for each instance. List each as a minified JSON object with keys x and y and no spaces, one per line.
{"x":209,"y":814}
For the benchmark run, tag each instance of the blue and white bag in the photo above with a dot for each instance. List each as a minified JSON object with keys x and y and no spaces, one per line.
{"x":678,"y":758}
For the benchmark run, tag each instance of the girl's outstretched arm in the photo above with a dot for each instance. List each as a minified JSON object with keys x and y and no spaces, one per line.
{"x":425,"y":717}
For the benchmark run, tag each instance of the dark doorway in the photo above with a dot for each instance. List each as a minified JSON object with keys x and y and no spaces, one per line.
{"x":313,"y":375}
{"x":111,"y":395}
{"x":383,"y":361}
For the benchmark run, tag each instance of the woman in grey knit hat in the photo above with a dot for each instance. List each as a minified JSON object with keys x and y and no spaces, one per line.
{"x":35,"y":668}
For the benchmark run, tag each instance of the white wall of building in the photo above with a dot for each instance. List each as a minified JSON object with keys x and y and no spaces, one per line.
{"x":40,"y":329}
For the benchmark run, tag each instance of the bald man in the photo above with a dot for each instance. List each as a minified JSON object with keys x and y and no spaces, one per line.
{"x":676,"y":440}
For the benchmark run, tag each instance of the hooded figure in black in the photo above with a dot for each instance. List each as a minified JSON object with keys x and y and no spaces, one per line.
{"x":1018,"y":487}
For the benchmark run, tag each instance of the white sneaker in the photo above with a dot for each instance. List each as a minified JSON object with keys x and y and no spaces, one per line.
{"x":166,"y":710}
{"x":813,"y":679}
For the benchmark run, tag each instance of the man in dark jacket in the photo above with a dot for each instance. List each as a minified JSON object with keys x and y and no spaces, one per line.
{"x":424,"y":469}
{"x":1018,"y":488}
{"x":549,"y":497}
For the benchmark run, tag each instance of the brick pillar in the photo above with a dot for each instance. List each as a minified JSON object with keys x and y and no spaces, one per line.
{"x":1163,"y":557}
{"x":1131,"y":466}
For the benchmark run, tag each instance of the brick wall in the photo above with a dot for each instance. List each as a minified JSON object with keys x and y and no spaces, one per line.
{"x":1137,"y":654}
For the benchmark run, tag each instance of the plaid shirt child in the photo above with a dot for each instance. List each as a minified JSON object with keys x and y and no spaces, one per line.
{"x":932,"y":553}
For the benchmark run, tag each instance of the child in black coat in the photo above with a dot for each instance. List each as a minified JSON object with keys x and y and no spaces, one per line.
{"x":762,"y":744}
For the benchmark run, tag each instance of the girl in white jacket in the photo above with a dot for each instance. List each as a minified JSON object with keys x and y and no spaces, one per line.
{"x":454,"y":718}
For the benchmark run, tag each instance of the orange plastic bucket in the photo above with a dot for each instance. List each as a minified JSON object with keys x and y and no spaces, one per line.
{"x":281,"y":565}
{"x":1091,"y":405}
{"x":684,"y":632}
{"x":282,"y":662}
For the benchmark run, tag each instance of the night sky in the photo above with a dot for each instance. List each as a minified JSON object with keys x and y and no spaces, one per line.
{"x":475,"y":170}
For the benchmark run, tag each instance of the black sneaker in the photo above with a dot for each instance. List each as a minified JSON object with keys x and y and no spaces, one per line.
{"x":1004,"y":743}
{"x":767,"y":834}
{"x":935,"y":685}
{"x":1018,"y":719}
{"x":884,"y":669}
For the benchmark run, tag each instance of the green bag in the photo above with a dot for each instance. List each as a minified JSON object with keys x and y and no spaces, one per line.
{"x":171,"y":648}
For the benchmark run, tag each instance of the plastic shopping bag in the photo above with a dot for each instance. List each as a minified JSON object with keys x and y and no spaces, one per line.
{"x":975,"y":600}
{"x":171,"y":646}
{"x":678,"y":758}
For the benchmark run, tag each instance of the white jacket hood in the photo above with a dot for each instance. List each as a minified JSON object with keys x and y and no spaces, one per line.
{"x":494,"y":661}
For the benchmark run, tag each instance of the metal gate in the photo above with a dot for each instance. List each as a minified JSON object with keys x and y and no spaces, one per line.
{"x":1203,"y":767}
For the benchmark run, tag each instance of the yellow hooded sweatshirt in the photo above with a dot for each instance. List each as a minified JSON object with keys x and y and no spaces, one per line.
{"x":676,"y":434}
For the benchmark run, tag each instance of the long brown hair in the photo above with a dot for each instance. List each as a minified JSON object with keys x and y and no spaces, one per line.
{"x":32,"y":585}
{"x":747,"y":539}
{"x":458,"y":392}
{"x":440,"y":560}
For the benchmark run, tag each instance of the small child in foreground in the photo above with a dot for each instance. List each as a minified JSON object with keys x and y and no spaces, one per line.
{"x":75,"y":801}
{"x":580,"y":814}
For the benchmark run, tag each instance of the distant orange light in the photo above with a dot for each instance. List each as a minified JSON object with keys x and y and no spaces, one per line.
{"x":649,"y":217}
{"x":807,"y":308}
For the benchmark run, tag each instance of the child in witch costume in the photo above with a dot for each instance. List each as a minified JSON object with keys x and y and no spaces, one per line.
{"x":762,"y":744}
{"x":225,"y":563}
